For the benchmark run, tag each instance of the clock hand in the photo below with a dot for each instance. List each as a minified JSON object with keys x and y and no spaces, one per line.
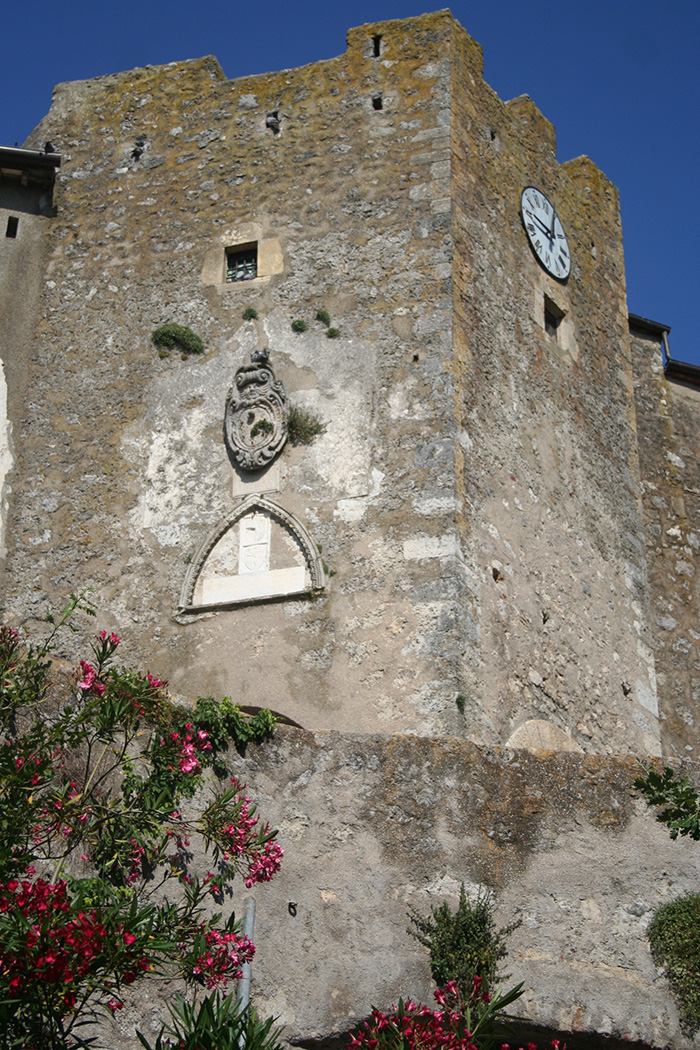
{"x":551,"y":232}
{"x":544,"y":229}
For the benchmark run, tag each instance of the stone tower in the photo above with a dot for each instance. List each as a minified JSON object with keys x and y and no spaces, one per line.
{"x":459,"y":555}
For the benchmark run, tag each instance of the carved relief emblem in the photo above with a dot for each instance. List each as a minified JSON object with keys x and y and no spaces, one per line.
{"x":258,"y":552}
{"x":255,"y":422}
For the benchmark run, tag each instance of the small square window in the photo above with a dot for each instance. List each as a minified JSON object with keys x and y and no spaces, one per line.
{"x":241,"y":263}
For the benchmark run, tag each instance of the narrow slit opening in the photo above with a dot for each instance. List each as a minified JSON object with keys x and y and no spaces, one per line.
{"x":12,"y":224}
{"x":377,"y":102}
{"x":553,"y":315}
{"x":377,"y":45}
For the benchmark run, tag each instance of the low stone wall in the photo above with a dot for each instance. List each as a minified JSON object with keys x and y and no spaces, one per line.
{"x":372,"y":825}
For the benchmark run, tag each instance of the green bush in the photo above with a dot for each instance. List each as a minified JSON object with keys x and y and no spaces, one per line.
{"x":303,"y":427}
{"x":463,"y":944}
{"x":299,"y":326}
{"x":333,"y":333}
{"x":218,"y":1024}
{"x":674,"y":938}
{"x":176,"y":335}
{"x":250,"y":313}
{"x":681,"y":812}
{"x":324,"y":317}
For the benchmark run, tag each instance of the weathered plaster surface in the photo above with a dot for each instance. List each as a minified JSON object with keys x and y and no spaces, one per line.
{"x":374,"y":825}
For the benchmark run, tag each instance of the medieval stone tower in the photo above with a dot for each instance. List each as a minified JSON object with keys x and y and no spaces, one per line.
{"x":472,"y":595}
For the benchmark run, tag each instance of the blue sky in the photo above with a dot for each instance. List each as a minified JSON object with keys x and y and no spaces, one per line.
{"x":620,"y":81}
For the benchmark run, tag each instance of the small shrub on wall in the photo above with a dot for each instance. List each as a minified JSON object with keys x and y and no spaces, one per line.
{"x":674,"y":932}
{"x":172,"y":335}
{"x":303,"y":427}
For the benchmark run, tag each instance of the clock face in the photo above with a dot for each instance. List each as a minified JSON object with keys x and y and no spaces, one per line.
{"x":545,"y":233}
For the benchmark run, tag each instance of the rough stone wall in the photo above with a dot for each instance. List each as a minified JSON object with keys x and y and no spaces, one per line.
{"x":551,"y":523}
{"x":668,"y":415}
{"x":22,"y":260}
{"x":121,"y":467}
{"x":373,"y":825}
{"x":475,"y":497}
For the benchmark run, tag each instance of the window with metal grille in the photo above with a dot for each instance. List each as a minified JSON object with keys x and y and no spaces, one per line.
{"x":242,"y":263}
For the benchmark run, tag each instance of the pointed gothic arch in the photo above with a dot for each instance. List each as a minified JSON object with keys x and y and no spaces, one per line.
{"x":274,"y":553}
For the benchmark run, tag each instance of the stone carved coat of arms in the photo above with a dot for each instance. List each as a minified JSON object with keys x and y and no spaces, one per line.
{"x":255,"y":421}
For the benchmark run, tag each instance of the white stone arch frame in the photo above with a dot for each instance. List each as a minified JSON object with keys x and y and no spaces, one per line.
{"x":284,"y":517}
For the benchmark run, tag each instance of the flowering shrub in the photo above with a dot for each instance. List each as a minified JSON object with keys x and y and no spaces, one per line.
{"x":459,"y":1023}
{"x":97,"y":884}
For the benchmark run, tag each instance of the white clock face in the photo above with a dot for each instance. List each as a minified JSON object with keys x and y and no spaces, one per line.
{"x":545,"y":233}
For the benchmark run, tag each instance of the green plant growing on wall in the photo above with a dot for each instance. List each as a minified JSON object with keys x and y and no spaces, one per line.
{"x":674,"y":932}
{"x":681,"y":807}
{"x":263,"y":426}
{"x":250,"y":313}
{"x":299,"y":326}
{"x":324,"y":317}
{"x":674,"y":939}
{"x":303,"y":427}
{"x":463,"y":944}
{"x":332,"y":333}
{"x":172,"y":335}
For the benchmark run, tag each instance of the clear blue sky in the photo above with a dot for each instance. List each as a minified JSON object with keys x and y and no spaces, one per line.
{"x":619,"y":79}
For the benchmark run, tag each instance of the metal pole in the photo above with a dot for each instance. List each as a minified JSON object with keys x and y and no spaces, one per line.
{"x":243,"y":991}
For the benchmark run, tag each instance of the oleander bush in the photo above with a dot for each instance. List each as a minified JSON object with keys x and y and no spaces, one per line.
{"x":99,"y":886}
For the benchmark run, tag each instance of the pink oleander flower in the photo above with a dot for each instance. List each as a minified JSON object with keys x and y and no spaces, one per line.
{"x":89,"y":682}
{"x":89,"y":673}
{"x":265,"y":864}
{"x":222,"y":961}
{"x":189,"y":763}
